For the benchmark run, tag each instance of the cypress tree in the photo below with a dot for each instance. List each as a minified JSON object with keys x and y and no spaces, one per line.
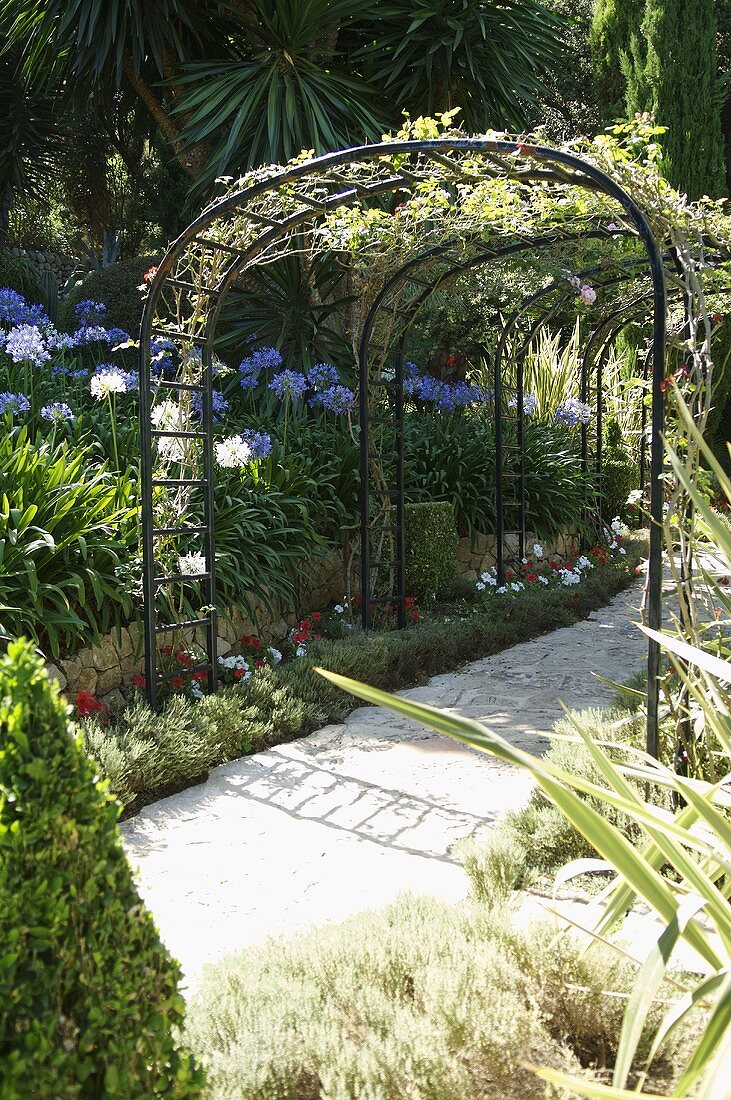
{"x":671,"y":69}
{"x":614,"y":24}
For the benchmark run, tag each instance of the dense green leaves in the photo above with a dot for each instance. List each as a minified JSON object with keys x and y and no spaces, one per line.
{"x":64,"y":527}
{"x":88,"y":994}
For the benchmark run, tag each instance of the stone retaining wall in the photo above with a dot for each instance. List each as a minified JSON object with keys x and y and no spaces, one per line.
{"x":108,"y":666}
{"x":58,"y":264}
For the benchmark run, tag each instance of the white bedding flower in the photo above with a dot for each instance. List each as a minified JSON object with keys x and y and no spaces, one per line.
{"x":537,"y":550}
{"x":480,"y":587}
{"x":192,"y":563}
{"x":275,"y":655}
{"x":301,"y":650}
{"x":339,"y":609}
{"x":232,"y":452}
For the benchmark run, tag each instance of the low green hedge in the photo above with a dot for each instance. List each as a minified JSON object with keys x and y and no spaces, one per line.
{"x":88,"y":993}
{"x":430,"y":535}
{"x":146,"y":756}
{"x":118,"y":288}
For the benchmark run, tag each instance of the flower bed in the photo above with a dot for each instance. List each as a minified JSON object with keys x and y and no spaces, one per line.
{"x":147,"y":755}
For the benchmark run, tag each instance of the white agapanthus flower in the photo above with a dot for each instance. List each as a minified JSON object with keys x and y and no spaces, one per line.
{"x":616,"y":525}
{"x":275,"y":655}
{"x":192,"y":564}
{"x":107,"y":381}
{"x":233,"y":452}
{"x":169,"y":416}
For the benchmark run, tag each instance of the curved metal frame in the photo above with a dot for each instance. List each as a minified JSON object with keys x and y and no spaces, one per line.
{"x":299,"y":207}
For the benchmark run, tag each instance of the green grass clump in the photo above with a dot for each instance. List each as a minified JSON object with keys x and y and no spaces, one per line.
{"x":422,"y":1000}
{"x":88,"y":994}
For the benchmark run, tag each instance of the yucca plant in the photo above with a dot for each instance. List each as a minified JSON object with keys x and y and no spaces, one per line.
{"x":552,"y":369}
{"x":681,"y":868}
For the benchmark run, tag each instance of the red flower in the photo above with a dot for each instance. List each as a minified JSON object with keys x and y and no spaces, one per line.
{"x":554,"y":565}
{"x":238,"y":673}
{"x":316,"y":616}
{"x":408,"y":602}
{"x":139,"y":681}
{"x":176,"y":682}
{"x":532,"y":578}
{"x":255,"y":643}
{"x":258,"y":663}
{"x":716,"y":318}
{"x":87,"y":704}
{"x":167,"y":650}
{"x":200,"y":676}
{"x":245,"y":639}
{"x":667,"y":382}
{"x":183,"y":657}
{"x":452,"y":360}
{"x":317,"y":637}
{"x":415,"y":616}
{"x":509,"y":574}
{"x":150,"y":275}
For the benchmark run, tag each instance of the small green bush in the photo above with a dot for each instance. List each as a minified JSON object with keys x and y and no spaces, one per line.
{"x":115,"y":286}
{"x":422,"y":1000}
{"x":495,"y":866}
{"x":88,"y":994}
{"x":20,"y":275}
{"x":619,"y":474}
{"x":431,"y":543}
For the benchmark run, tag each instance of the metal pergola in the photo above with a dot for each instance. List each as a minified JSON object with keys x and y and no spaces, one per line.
{"x":264,"y":218}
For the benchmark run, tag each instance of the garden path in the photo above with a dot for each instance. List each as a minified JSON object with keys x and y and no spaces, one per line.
{"x":349,"y":817}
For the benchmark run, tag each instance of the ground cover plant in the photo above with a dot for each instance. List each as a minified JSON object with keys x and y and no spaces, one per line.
{"x":422,"y":999}
{"x":146,"y":755}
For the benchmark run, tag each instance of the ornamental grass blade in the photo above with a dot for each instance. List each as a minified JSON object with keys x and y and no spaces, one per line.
{"x":593,"y":1090}
{"x":646,"y":987}
{"x":682,"y":1007}
{"x":714,"y":1049}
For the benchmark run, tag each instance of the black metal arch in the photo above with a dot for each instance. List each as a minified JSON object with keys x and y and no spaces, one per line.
{"x":389,"y":302}
{"x":242,"y":229}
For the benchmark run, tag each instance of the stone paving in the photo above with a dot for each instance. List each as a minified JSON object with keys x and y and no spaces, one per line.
{"x":351,"y":816}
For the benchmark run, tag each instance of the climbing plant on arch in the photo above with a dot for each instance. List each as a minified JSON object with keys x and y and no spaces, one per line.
{"x":405,"y":216}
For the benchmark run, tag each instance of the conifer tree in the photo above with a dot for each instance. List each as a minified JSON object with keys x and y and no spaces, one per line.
{"x":614,"y":24}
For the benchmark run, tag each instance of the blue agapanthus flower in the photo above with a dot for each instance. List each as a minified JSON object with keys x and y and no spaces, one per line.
{"x":338,"y":399}
{"x":89,"y":312}
{"x":530,"y":404}
{"x":219,"y":405}
{"x":289,"y":383}
{"x":573,"y":412}
{"x":132,"y":380}
{"x":14,"y":403}
{"x":117,"y":336}
{"x":259,"y":360}
{"x":322,"y":377}
{"x":57,"y":412}
{"x":25,"y":344}
{"x":14,"y":310}
{"x":259,"y":442}
{"x":90,"y":334}
{"x":59,"y":340}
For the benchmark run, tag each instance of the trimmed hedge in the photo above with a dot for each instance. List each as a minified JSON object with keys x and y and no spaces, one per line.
{"x":88,"y":994}
{"x":147,"y":756}
{"x":431,"y":545}
{"x":116,"y":286}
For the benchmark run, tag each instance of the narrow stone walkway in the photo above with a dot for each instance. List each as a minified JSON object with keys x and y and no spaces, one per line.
{"x":348,"y":818}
